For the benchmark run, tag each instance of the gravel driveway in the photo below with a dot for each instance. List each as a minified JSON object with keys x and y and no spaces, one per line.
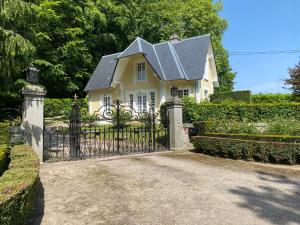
{"x":168,"y":189}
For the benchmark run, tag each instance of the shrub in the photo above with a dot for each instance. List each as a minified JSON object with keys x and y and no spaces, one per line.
{"x":258,"y":137}
{"x":9,"y":100}
{"x":271,"y":98}
{"x":3,"y":158}
{"x":274,"y":152}
{"x":189,"y":110}
{"x":4,"y":133}
{"x":225,"y":127}
{"x":18,"y":185}
{"x":62,"y":107}
{"x":284,"y":127}
{"x":240,"y":112}
{"x":235,"y":96}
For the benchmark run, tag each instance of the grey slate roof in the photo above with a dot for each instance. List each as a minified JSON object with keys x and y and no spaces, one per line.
{"x":183,"y":60}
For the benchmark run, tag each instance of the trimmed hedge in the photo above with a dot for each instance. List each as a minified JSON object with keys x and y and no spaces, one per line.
{"x":3,"y":133}
{"x":18,"y":186}
{"x":271,"y":98}
{"x":236,"y":96}
{"x":273,"y":152}
{"x":255,"y":137}
{"x":61,"y":107}
{"x":239,"y":111}
{"x":3,"y":158}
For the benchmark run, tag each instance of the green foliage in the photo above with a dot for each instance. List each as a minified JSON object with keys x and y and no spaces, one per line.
{"x":258,"y":137}
{"x":271,"y":98}
{"x":273,"y":152}
{"x":189,"y":110}
{"x":278,"y":127}
{"x":3,"y":158}
{"x":62,"y":107}
{"x":235,"y":96}
{"x":228,"y":127}
{"x":16,"y":47}
{"x":65,"y":39}
{"x":18,"y":186}
{"x":4,"y":132}
{"x":287,"y":127}
{"x":294,"y":81}
{"x":119,"y":120}
{"x":239,"y":111}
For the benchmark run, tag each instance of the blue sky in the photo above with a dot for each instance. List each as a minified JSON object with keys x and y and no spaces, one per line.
{"x":262,"y":25}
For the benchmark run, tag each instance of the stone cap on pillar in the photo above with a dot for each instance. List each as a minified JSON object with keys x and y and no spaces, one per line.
{"x":35,"y":90}
{"x":174,"y":102}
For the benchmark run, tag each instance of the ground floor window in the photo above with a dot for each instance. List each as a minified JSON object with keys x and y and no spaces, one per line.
{"x":152,"y":99}
{"x":183,"y":92}
{"x":131,"y":100}
{"x":206,"y":94}
{"x":107,"y":102}
{"x":142,"y":102}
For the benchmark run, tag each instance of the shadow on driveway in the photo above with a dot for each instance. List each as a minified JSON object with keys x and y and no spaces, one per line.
{"x":269,"y":203}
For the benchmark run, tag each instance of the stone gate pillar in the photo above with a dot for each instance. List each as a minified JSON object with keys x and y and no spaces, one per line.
{"x":33,"y":117}
{"x":174,"y":108}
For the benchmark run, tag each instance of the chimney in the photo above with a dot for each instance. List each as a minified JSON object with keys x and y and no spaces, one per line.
{"x":174,"y":38}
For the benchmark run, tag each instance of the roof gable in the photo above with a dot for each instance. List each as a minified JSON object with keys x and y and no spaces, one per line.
{"x":185,"y":60}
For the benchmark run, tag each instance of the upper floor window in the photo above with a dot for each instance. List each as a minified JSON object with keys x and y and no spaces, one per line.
{"x":183,"y":92}
{"x":141,"y":71}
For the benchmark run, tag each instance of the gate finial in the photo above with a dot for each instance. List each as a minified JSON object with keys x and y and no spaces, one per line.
{"x":75,"y":97}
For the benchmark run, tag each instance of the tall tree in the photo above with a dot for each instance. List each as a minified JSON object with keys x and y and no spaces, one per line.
{"x":70,"y":32}
{"x":16,"y":35}
{"x":294,"y":81}
{"x":157,"y":20}
{"x":66,"y":38}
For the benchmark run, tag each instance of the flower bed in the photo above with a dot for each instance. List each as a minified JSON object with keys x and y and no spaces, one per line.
{"x":18,"y":186}
{"x":273,"y":152}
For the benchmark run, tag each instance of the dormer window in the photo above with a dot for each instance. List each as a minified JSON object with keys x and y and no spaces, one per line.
{"x":141,"y":71}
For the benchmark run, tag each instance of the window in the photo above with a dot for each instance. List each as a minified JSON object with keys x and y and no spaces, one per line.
{"x":152,"y":99}
{"x":183,"y":92}
{"x":142,"y":102}
{"x":141,"y":71}
{"x":206,"y":95}
{"x":107,"y":102}
{"x":131,"y":100}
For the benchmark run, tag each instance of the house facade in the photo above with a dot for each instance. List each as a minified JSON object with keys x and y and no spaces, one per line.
{"x":144,"y":73}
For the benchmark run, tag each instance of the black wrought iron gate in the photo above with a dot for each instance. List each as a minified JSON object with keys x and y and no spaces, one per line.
{"x":114,"y":129}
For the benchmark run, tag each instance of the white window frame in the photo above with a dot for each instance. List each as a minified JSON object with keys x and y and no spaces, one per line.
{"x":129,"y":100}
{"x":104,"y":105}
{"x":144,"y":105}
{"x":206,"y":95}
{"x":183,"y":90}
{"x":136,"y":71}
{"x":152,"y":101}
{"x":136,"y":93}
